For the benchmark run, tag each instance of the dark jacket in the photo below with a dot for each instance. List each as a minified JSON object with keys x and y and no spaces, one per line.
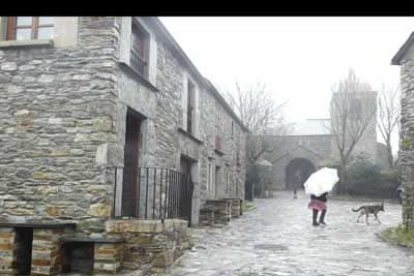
{"x":322,"y":197}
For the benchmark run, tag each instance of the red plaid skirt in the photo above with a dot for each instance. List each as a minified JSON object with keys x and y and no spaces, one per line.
{"x":317,"y":205}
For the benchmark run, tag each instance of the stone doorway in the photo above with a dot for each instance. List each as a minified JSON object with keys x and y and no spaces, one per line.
{"x":133,"y":140}
{"x":297,"y":172}
{"x":187,"y":164}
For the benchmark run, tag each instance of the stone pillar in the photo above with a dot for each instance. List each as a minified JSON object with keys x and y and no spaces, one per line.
{"x":235,"y":207}
{"x":7,"y":251}
{"x":108,"y":257}
{"x":46,"y":256}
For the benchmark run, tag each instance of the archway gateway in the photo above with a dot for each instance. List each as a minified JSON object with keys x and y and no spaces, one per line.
{"x":297,"y":172}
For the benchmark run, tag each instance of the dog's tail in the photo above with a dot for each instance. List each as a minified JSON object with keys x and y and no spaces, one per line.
{"x":356,"y":210}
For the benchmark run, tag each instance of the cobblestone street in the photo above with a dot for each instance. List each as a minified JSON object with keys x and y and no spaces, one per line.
{"x":277,"y":239}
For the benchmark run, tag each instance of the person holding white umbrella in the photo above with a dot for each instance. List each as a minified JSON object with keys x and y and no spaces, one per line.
{"x":318,"y":203}
{"x":318,"y":185}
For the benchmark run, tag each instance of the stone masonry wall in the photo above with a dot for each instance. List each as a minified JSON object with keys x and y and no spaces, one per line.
{"x":406,"y":152}
{"x":230,"y":144}
{"x":151,"y":245}
{"x":62,"y":126}
{"x":57,"y":110}
{"x":315,"y":148}
{"x":166,"y":144}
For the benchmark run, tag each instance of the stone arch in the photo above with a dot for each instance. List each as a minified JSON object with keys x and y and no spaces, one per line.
{"x":302,"y":167}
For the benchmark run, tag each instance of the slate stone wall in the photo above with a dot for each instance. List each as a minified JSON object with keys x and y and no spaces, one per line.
{"x":63,"y":122}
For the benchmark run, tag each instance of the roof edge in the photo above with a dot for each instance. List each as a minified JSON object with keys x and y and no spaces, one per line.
{"x":396,"y":60}
{"x":207,"y":84}
{"x":226,"y":105}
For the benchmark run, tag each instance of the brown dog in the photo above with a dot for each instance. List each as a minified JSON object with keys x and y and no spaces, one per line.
{"x":370,"y":209}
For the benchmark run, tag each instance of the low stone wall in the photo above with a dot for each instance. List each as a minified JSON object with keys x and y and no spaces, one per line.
{"x":46,"y":255}
{"x":7,"y":251}
{"x":236,"y":207}
{"x":222,"y":210}
{"x":108,"y":258}
{"x":151,"y":245}
{"x":206,"y":216}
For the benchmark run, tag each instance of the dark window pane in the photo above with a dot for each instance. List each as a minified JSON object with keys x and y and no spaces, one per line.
{"x":137,"y":63}
{"x":138,"y":56}
{"x":138,"y":43}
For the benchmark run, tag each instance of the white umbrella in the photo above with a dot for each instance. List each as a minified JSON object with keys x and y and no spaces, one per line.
{"x":321,"y":181}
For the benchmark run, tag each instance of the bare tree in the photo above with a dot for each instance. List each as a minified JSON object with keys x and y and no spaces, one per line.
{"x":349,"y":118}
{"x":389,"y":115}
{"x":261,"y":114}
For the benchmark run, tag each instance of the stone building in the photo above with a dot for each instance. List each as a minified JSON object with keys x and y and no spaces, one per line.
{"x":104,"y":123}
{"x":311,"y":144}
{"x":305,"y":149}
{"x":405,"y":59}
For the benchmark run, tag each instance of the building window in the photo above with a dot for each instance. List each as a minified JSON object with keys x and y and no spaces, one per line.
{"x":139,"y":53}
{"x":29,"y":28}
{"x":232,"y":129}
{"x":190,"y":107}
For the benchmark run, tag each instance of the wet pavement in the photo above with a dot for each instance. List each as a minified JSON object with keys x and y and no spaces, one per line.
{"x":277,"y":238}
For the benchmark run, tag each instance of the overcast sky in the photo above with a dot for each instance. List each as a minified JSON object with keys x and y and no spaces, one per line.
{"x":299,"y":58}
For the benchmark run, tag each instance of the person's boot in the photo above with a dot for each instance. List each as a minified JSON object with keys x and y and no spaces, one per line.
{"x":322,"y":218}
{"x":314,"y":217}
{"x":295,"y":195}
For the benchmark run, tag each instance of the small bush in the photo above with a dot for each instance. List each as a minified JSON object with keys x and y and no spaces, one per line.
{"x":379,"y":189}
{"x":393,"y":176}
{"x":365,"y":179}
{"x":363,"y":170}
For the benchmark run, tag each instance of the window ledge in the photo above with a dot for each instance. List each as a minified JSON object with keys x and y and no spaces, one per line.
{"x":26,"y":43}
{"x":189,"y":135}
{"x":134,"y":73}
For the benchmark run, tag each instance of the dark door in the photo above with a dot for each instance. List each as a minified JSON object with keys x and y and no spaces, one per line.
{"x":187,"y":188}
{"x":130,"y":186}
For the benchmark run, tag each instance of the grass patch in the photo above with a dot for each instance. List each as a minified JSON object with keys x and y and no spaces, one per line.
{"x":247,"y":206}
{"x":398,"y":235}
